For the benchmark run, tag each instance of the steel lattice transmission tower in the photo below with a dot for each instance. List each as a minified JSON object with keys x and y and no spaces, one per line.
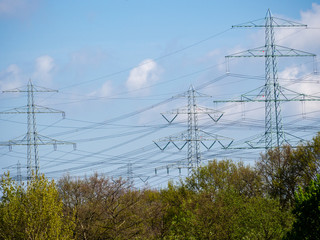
{"x":32,"y":139}
{"x":129,"y":175}
{"x":273,"y":93}
{"x":17,"y":166}
{"x":193,"y":137}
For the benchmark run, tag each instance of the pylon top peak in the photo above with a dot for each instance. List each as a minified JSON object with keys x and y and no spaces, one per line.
{"x":269,"y":14}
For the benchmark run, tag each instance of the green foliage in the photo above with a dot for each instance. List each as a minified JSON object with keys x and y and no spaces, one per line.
{"x":284,"y":170}
{"x":104,"y":208}
{"x":34,"y":212}
{"x":12,"y":214}
{"x":307,"y":212}
{"x":224,"y":175}
{"x":262,"y":218}
{"x":178,"y":218}
{"x":223,"y":200}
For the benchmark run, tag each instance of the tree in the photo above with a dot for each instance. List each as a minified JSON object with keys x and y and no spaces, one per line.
{"x":222,"y":200}
{"x":285,"y":169}
{"x":307,"y":212}
{"x":34,"y":212}
{"x":261,"y":218}
{"x":179,"y":218}
{"x":223,"y":175}
{"x":105,"y":208}
{"x":12,"y":214}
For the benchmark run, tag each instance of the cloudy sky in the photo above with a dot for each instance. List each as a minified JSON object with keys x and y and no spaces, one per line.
{"x":118,"y":64}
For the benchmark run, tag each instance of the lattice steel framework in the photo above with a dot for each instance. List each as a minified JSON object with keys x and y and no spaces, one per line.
{"x":32,"y":139}
{"x":273,"y":93}
{"x":193,"y":137}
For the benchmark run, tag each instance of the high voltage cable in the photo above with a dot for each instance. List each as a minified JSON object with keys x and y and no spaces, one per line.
{"x":124,"y":116}
{"x":244,"y":123}
{"x":113,"y":147}
{"x":133,"y":113}
{"x":155,"y":59}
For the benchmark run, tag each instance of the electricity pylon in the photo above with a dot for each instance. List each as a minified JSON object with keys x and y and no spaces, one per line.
{"x":17,"y":166}
{"x":193,"y":137}
{"x":272,"y":93}
{"x":32,"y":139}
{"x":19,"y":176}
{"x":131,"y":175}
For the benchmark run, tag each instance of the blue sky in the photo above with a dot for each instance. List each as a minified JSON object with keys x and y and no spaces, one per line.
{"x":116,"y":64}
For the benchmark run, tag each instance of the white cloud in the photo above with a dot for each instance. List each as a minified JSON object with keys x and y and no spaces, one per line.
{"x":305,"y":40}
{"x":104,"y":91}
{"x":142,"y":76}
{"x":295,"y":37}
{"x":295,"y":79}
{"x":44,"y":69}
{"x":10,"y":78}
{"x":289,"y":73}
{"x":14,"y":76}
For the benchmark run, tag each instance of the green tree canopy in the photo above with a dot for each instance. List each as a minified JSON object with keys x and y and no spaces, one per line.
{"x":32,"y":212}
{"x":307,"y":212}
{"x":284,"y":170}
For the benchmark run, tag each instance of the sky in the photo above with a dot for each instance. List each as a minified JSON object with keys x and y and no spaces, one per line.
{"x":117,"y":65}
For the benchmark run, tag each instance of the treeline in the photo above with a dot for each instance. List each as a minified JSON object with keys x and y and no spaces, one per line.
{"x":277,"y":198}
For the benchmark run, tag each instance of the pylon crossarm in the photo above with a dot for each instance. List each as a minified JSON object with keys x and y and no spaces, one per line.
{"x":182,"y":137}
{"x":205,"y":137}
{"x":198,"y":109}
{"x":291,"y":96}
{"x":276,"y":22}
{"x":171,"y":165}
{"x":143,"y":178}
{"x":16,"y":110}
{"x":280,"y":22}
{"x":251,"y":24}
{"x":179,"y":147}
{"x":255,"y":52}
{"x":225,"y":146}
{"x":40,"y":140}
{"x":12,"y":142}
{"x":209,"y":111}
{"x":161,"y":148}
{"x":36,"y":109}
{"x":280,"y":51}
{"x":40,"y":109}
{"x":258,"y":142}
{"x":299,"y":139}
{"x":247,"y":97}
{"x":35,"y":88}
{"x":172,"y":119}
{"x":215,"y":119}
{"x":43,"y":140}
{"x":296,"y":95}
{"x":208,"y":147}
